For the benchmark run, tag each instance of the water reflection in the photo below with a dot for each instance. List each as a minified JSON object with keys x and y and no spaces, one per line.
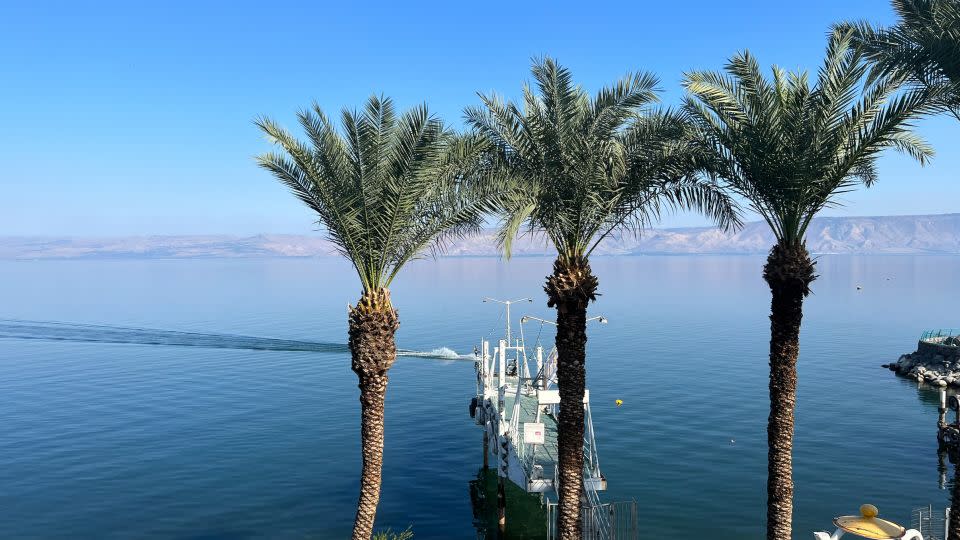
{"x":526,"y":515}
{"x":933,"y":522}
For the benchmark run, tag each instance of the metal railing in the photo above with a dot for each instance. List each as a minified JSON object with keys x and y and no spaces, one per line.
{"x":526,"y":452}
{"x":596,"y":520}
{"x":930,"y":522}
{"x":940,"y":335}
{"x":606,"y":521}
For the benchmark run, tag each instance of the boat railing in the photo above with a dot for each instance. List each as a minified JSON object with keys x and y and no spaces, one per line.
{"x":526,"y":452}
{"x":600,"y":521}
{"x":591,"y":463}
{"x":597,"y":517}
{"x":930,"y":522}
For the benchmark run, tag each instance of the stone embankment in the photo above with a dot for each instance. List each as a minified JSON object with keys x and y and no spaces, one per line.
{"x":936,"y":362}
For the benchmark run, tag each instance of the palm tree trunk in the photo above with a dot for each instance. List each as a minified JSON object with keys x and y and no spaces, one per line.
{"x":788,"y":272}
{"x":373,"y":325}
{"x":570,"y":288}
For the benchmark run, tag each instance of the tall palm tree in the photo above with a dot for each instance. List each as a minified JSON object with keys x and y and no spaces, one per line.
{"x":386,"y":190}
{"x":923,"y":47}
{"x":584,"y":168}
{"x":790,"y":149}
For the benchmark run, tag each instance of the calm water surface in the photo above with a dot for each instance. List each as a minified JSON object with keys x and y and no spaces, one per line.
{"x":194,"y":428}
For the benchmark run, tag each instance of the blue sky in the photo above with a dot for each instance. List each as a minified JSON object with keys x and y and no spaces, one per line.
{"x":135,"y":117}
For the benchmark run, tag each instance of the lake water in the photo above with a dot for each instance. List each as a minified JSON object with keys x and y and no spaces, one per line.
{"x":193,"y":427}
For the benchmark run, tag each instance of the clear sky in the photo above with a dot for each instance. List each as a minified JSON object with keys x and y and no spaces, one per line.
{"x":135,"y":117}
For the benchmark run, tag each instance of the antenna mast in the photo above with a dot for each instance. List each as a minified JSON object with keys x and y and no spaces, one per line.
{"x":508,"y":303}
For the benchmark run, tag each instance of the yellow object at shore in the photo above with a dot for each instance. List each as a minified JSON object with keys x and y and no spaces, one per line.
{"x":868,"y":525}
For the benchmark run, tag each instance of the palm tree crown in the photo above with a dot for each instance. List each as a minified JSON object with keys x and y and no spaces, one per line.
{"x":387,"y":190}
{"x":923,"y":47}
{"x":585,"y":167}
{"x":790,"y":149}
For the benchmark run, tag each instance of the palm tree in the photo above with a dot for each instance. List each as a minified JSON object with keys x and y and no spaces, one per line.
{"x":923,"y":47}
{"x":584,"y":168}
{"x":790,"y":150}
{"x":386,"y":190}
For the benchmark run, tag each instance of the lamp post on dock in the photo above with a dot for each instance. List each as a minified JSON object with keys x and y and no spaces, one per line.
{"x":526,"y":318}
{"x":508,"y":303}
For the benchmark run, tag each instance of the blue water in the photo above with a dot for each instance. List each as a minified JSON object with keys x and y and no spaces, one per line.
{"x":209,"y":399}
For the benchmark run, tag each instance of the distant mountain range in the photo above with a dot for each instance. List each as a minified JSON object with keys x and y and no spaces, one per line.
{"x":884,"y":234}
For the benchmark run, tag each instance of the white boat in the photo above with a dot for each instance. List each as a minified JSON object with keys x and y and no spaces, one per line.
{"x":517,"y":403}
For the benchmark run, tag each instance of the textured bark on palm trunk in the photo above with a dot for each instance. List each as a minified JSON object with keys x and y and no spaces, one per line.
{"x":953,"y":528}
{"x":373,"y":325}
{"x":789,"y":272}
{"x":570,"y":288}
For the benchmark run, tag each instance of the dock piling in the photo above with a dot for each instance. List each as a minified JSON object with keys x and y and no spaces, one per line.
{"x":942,"y":409}
{"x":501,"y":507}
{"x":486,"y":449}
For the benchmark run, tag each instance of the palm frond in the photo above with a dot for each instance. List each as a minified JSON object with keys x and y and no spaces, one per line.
{"x":386,"y":188}
{"x":581,"y":168}
{"x":790,"y":148}
{"x":922,"y":48}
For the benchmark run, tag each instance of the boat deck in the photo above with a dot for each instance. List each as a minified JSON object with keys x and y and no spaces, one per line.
{"x":544,"y":454}
{"x":518,"y":404}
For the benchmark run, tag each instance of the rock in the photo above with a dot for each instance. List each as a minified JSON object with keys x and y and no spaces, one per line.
{"x":936,"y":363}
{"x":885,"y":366}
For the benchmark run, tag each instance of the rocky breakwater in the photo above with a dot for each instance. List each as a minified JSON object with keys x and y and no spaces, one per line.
{"x":936,"y":362}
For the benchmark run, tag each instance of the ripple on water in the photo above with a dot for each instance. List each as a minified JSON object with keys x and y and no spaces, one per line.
{"x":120,"y":439}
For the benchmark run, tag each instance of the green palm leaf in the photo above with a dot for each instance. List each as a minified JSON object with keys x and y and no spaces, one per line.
{"x":585,"y":167}
{"x":789,"y":148}
{"x":923,"y":48}
{"x":386,"y":188}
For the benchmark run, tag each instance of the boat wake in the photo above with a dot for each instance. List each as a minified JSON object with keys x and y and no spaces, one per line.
{"x":443,"y":353}
{"x":93,"y":333}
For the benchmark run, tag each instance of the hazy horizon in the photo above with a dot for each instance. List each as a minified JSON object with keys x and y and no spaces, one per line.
{"x":923,"y":234}
{"x":489,"y":226}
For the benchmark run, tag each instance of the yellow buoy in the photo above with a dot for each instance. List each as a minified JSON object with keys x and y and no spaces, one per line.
{"x":619,"y":402}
